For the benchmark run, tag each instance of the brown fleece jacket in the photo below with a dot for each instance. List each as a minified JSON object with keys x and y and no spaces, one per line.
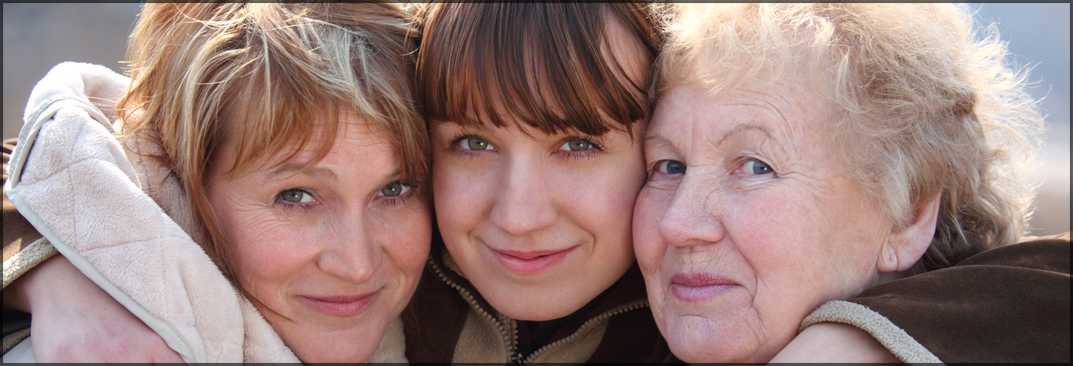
{"x":1008,"y":304}
{"x":447,"y":320}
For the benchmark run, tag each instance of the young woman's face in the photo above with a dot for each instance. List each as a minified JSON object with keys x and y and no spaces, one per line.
{"x":539,"y":223}
{"x":332,"y":251}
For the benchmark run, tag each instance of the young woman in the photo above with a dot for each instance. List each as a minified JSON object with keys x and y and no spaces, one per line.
{"x":535,"y":113}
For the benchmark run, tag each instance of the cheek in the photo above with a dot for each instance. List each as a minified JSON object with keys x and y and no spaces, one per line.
{"x":601,"y":196}
{"x":461,"y":194}
{"x":648,"y":246}
{"x":783,"y":238}
{"x":267,"y":253}
{"x":406,"y":233}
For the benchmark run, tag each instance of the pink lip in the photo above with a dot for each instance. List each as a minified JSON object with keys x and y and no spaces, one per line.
{"x":340,"y":305}
{"x":699,"y":286}
{"x":530,"y":261}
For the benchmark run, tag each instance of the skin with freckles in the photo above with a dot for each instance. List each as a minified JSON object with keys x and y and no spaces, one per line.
{"x":330,"y":251}
{"x":749,"y":219}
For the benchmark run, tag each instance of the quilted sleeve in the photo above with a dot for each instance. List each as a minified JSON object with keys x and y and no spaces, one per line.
{"x":24,"y":248}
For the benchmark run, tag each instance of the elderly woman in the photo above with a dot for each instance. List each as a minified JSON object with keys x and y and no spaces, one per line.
{"x":233,"y":162}
{"x":801,"y":153}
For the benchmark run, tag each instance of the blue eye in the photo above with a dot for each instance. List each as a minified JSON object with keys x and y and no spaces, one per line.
{"x":473,"y":143}
{"x":757,"y":167}
{"x":294,"y":196}
{"x":670,"y":167}
{"x":395,"y":189}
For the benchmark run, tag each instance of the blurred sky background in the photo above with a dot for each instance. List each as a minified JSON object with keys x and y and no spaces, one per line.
{"x":38,"y":36}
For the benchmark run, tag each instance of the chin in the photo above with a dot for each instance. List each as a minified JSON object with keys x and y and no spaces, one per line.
{"x":529,"y":309}
{"x":354,"y":345}
{"x":695,"y":339}
{"x":337,"y":351}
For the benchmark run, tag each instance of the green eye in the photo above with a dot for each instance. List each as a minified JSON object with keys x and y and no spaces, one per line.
{"x":394,"y":189}
{"x":473,"y":143}
{"x":577,"y":145}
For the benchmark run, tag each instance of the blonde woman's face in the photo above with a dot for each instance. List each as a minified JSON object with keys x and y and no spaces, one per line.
{"x":750,"y":218}
{"x":331,"y":252}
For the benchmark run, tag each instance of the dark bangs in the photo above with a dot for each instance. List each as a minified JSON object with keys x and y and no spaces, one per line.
{"x":549,"y":66}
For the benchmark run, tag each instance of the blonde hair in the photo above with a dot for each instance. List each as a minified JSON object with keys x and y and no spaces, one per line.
{"x":259,"y":75}
{"x":937,"y":108}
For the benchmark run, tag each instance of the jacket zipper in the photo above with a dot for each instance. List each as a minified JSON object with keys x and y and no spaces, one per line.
{"x":640,"y":304}
{"x":511,"y":341}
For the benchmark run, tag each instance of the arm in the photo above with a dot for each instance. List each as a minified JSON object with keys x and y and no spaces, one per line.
{"x":834,"y":343}
{"x":75,"y":321}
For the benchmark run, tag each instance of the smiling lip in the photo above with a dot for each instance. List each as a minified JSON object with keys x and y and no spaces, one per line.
{"x":341,"y":306}
{"x":530,"y":261}
{"x":699,"y":286}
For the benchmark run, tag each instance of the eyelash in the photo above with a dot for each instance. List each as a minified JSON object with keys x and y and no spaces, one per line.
{"x":394,"y":201}
{"x":743,"y":161}
{"x":400,"y":200}
{"x":291,"y":205}
{"x":579,"y":155}
{"x":453,"y":146}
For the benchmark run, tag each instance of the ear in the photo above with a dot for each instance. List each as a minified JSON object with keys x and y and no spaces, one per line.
{"x":907,"y":244}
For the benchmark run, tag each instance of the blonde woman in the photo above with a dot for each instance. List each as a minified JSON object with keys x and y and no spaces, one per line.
{"x":805,"y":154}
{"x":271,"y":147}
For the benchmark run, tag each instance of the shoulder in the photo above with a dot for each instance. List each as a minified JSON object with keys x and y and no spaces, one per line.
{"x":1007,"y":304}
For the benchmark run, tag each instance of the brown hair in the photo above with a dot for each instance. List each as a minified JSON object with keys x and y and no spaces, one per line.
{"x":259,"y":75}
{"x":546,"y":65}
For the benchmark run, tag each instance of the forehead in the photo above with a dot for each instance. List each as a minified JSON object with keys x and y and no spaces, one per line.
{"x":782,"y":111}
{"x":354,"y":142}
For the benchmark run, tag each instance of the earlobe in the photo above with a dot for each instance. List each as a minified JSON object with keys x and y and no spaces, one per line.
{"x":907,"y":244}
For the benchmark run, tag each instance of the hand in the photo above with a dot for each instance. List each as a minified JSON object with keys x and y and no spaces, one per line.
{"x":75,"y":321}
{"x":834,"y":343}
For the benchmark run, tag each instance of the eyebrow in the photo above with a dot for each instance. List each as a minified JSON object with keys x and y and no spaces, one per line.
{"x":742,"y":128}
{"x":301,"y":168}
{"x":657,"y":139}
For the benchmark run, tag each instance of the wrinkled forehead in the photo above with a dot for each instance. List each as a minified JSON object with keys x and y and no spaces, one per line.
{"x":298,"y":140}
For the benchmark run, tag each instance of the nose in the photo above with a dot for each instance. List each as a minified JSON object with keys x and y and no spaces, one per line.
{"x":352,"y":254}
{"x":693,"y":217}
{"x":523,"y":203}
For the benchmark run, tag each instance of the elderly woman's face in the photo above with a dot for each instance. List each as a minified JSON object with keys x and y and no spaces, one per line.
{"x":332,"y":252}
{"x":749,"y":219}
